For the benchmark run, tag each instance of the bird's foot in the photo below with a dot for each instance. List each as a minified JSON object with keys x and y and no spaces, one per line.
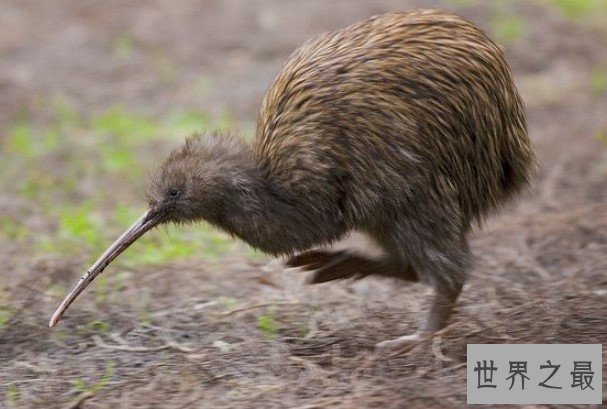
{"x":401,"y":344}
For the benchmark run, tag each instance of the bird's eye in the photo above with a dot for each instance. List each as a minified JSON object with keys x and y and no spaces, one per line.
{"x":174,"y":193}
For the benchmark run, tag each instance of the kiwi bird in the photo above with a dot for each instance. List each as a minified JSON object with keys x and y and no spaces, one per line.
{"x":406,"y":127}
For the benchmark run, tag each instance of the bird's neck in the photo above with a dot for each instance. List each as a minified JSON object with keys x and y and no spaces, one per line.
{"x":262,"y":215}
{"x":272,"y":218}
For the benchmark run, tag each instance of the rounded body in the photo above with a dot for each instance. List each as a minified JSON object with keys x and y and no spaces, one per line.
{"x":406,"y":126}
{"x":411,"y":115}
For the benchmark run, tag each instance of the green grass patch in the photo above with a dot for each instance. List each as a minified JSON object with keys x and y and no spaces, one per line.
{"x":508,"y":28}
{"x":579,"y":9}
{"x":38,"y":185}
{"x":80,"y":228}
{"x":12,"y":229}
{"x":187,"y":122}
{"x":598,"y":81}
{"x":225,"y":122}
{"x":29,"y":140}
{"x":13,"y":395}
{"x":5,"y":316}
{"x":227,"y":303}
{"x":125,"y":125}
{"x":144,"y":313}
{"x":253,"y":253}
{"x":65,"y":117}
{"x":268,"y":325}
{"x":178,"y":243}
{"x":117,"y":158}
{"x":81,"y":386}
{"x":53,"y":164}
{"x":20,"y":140}
{"x":303,"y":328}
{"x":123,"y":46}
{"x":462,"y":3}
{"x":98,"y":326}
{"x":102,"y":290}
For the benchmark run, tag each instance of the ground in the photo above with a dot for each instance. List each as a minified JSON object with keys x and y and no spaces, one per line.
{"x":93,"y":94}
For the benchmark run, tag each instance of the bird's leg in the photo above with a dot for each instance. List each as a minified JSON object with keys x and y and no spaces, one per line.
{"x":441,"y":259}
{"x":440,"y":311}
{"x":442,"y":263}
{"x":334,"y":265}
{"x":442,"y":307}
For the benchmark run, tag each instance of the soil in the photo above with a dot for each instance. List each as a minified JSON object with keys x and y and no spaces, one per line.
{"x":540,"y":274}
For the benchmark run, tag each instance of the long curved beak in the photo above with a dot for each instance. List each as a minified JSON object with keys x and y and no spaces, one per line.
{"x":149,"y":219}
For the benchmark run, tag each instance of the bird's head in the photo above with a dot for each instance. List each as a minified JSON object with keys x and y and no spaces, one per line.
{"x":195,"y":182}
{"x":197,"y":179}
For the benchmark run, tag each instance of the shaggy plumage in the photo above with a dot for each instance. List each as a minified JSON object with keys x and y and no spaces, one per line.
{"x":406,"y":127}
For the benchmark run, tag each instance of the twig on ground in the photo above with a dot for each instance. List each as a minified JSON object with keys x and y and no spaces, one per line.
{"x":102,"y":344}
{"x":171,"y":343}
{"x":262,"y":305}
{"x":122,"y":346}
{"x":80,"y":400}
{"x":36,"y":369}
{"x":436,"y":349}
{"x":310,"y":366}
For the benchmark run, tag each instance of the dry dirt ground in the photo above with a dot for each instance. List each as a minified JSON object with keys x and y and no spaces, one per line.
{"x":234,"y":332}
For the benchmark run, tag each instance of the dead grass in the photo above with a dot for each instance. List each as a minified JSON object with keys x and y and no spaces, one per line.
{"x":234,"y":331}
